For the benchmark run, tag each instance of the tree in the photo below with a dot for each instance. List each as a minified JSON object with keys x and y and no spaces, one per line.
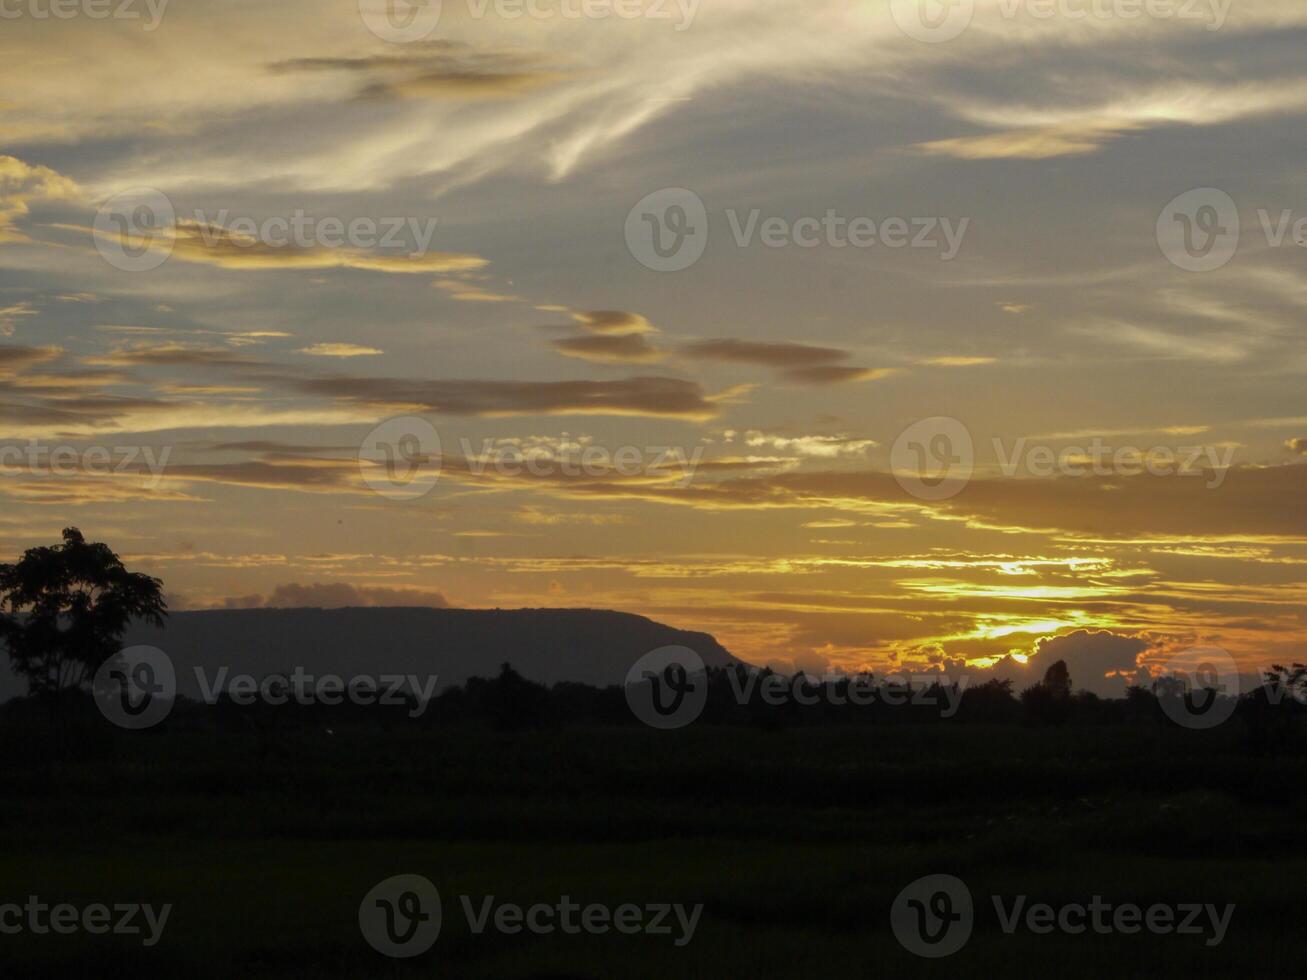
{"x":64,"y":609}
{"x":990,"y":701}
{"x":1057,"y":679}
{"x":1049,"y":702}
{"x":512,"y":702}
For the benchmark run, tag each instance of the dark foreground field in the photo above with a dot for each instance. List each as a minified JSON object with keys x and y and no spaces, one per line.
{"x":796,"y":842}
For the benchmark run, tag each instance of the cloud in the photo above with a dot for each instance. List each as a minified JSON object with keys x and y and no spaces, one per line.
{"x":60,"y":383}
{"x":15,"y":358}
{"x":337,"y":595}
{"x":778,"y":355}
{"x":209,"y":244}
{"x":438,"y":69}
{"x":612,"y":322}
{"x":620,"y":348}
{"x":301,"y":474}
{"x":354,"y":398}
{"x":249,"y":338}
{"x":611,"y":336}
{"x":1100,"y":661}
{"x":420,"y":54}
{"x":1062,"y":123}
{"x":59,"y":402}
{"x":645,"y":395}
{"x":537,"y":517}
{"x":470,"y":292}
{"x":958,"y":361}
{"x":170,"y":355}
{"x":213,"y":126}
{"x":816,"y":447}
{"x":802,"y":363}
{"x":575,"y":98}
{"x":87,"y":490}
{"x":1249,"y":503}
{"x":339,"y":350}
{"x":171,"y":388}
{"x":837,"y":374}
{"x":9,"y":316}
{"x":1035,"y":143}
{"x":272,"y":446}
{"x":1219,"y":347}
{"x":22,"y":184}
{"x":607,"y":85}
{"x":462,"y":85}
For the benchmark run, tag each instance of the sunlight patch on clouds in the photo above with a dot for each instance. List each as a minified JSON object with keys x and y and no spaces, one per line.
{"x":1035,"y":143}
{"x":21,"y":185}
{"x":339,"y":350}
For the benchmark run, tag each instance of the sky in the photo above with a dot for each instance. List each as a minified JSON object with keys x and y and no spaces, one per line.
{"x":886,"y":334}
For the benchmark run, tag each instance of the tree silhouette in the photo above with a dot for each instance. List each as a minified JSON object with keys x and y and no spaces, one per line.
{"x":63,"y":611}
{"x":1049,"y":702}
{"x":512,"y":702}
{"x":1057,"y":679}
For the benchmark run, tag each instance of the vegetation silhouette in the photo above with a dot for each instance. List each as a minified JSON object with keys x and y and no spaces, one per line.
{"x":1049,"y":702}
{"x":1268,"y":722}
{"x":63,"y":612}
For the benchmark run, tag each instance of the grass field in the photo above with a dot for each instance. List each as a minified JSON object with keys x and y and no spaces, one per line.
{"x":796,"y":843}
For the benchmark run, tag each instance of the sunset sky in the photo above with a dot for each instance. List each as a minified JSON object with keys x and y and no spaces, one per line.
{"x":1052,"y":144}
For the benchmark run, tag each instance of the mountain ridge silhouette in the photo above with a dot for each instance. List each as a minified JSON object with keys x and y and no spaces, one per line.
{"x":592,"y":646}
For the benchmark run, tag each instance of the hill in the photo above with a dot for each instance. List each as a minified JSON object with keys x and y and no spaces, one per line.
{"x":546,"y":645}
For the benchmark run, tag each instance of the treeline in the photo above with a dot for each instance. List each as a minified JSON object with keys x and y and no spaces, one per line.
{"x":1271,"y":718}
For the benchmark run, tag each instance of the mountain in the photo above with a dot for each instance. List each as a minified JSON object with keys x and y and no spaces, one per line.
{"x":548,"y":645}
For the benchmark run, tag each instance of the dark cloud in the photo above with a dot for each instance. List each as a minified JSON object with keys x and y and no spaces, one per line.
{"x":171,"y":355}
{"x":617,"y":348}
{"x":16,"y":413}
{"x":461,"y":85}
{"x":15,"y":357}
{"x":645,"y":395}
{"x":779,"y":355}
{"x":438,"y":69}
{"x":802,"y":363}
{"x":337,"y":595}
{"x":421,"y":54}
{"x":268,"y":446}
{"x":1099,"y":661}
